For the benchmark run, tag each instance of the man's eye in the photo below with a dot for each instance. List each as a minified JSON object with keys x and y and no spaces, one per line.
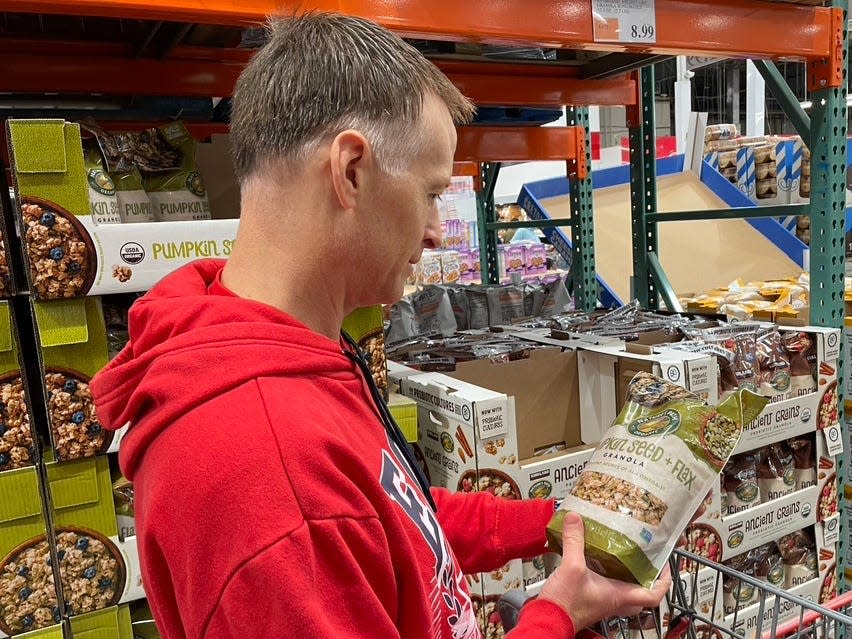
{"x":434,"y":197}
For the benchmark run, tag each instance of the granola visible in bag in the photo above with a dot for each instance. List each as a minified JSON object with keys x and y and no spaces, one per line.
{"x":737,"y":593}
{"x":804,"y":461}
{"x":178,"y":194}
{"x":774,"y":365}
{"x":649,"y":474}
{"x":801,"y":348}
{"x":776,"y":475}
{"x":798,"y":553}
{"x":740,"y":371}
{"x":740,"y":482}
{"x":768,"y":564}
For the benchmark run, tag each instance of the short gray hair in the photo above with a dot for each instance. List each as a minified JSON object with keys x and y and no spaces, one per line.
{"x":323,"y":73}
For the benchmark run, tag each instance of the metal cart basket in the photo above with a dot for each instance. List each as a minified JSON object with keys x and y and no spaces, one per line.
{"x":709,"y":600}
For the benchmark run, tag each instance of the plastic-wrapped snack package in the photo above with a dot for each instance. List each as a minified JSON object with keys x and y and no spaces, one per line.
{"x":505,"y":304}
{"x":768,"y":564}
{"x":742,"y":371}
{"x":461,"y":306}
{"x":801,"y":348}
{"x":776,"y":475}
{"x":798,"y":553}
{"x":103,"y":201}
{"x":433,"y":311}
{"x":402,"y":324}
{"x":804,"y":461}
{"x":740,"y":480}
{"x":477,"y":302}
{"x":774,"y":365}
{"x":650,"y":473}
{"x":556,"y":298}
{"x":736,"y":593}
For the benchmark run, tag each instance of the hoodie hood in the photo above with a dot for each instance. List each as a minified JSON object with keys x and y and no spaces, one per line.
{"x":188,"y":345}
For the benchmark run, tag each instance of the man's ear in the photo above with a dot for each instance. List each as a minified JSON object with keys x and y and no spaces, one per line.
{"x":351,"y":158}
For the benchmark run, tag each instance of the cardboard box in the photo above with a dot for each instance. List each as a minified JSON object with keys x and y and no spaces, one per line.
{"x":28,"y":599}
{"x":770,"y":520}
{"x":488,"y":427}
{"x":820,"y":590}
{"x":84,"y":518}
{"x":18,"y":447}
{"x":606,"y":370}
{"x":110,"y":623}
{"x":73,"y":347}
{"x":49,"y":173}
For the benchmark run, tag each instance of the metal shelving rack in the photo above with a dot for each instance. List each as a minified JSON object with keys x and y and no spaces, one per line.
{"x":584,"y":72}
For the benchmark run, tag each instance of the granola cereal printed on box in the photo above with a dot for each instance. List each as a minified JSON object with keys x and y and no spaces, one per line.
{"x":650,"y":472}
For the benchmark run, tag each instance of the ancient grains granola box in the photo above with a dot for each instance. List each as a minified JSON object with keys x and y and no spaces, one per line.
{"x":73,"y":347}
{"x":98,"y":567}
{"x":28,"y":597}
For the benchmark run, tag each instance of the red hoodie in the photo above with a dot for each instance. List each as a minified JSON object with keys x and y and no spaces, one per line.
{"x":269,"y":499}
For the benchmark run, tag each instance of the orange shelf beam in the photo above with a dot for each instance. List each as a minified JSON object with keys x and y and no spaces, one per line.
{"x":200,"y":72}
{"x":520,"y":144}
{"x":728,"y":28}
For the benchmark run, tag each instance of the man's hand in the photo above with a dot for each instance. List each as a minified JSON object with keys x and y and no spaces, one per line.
{"x":587,"y":596}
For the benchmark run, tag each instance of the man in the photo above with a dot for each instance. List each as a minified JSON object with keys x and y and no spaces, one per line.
{"x":273,"y":499}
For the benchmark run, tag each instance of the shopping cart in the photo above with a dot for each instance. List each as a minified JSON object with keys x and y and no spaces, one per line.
{"x":702,"y":604}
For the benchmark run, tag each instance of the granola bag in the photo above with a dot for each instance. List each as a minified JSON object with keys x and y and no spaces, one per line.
{"x":650,"y":473}
{"x":739,"y":480}
{"x":776,"y":474}
{"x":134,"y":205}
{"x":180,"y":194}
{"x":804,"y":461}
{"x":103,"y":201}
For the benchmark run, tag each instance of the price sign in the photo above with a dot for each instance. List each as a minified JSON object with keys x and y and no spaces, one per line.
{"x":632,"y":21}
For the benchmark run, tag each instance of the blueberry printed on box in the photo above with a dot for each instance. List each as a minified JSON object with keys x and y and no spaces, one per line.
{"x":73,"y":339}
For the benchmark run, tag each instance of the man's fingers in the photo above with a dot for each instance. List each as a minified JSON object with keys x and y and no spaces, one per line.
{"x":572,"y":535}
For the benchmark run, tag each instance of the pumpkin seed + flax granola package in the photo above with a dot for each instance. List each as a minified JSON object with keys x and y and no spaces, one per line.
{"x":650,"y":473}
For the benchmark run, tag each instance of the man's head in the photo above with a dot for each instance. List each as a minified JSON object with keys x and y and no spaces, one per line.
{"x":323,"y":73}
{"x":342,"y":111}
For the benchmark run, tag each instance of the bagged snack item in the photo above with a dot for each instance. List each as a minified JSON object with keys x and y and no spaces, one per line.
{"x":122,"y":494}
{"x":740,"y":480}
{"x":477,"y":304}
{"x":179,"y":194}
{"x":736,"y":593}
{"x":800,"y":346}
{"x":505,"y":303}
{"x":134,"y":205}
{"x":804,"y":461}
{"x":556,"y":299}
{"x":402,"y":324}
{"x":103,"y":201}
{"x":774,"y":365}
{"x":433,"y":312}
{"x":798,"y":554}
{"x":533,"y":299}
{"x":776,"y":475}
{"x":650,"y":473}
{"x":149,"y":150}
{"x":768,"y":565}
{"x":741,"y":371}
{"x":461,"y":308}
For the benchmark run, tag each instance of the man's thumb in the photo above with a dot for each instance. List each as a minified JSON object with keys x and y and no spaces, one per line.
{"x":572,"y":534}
